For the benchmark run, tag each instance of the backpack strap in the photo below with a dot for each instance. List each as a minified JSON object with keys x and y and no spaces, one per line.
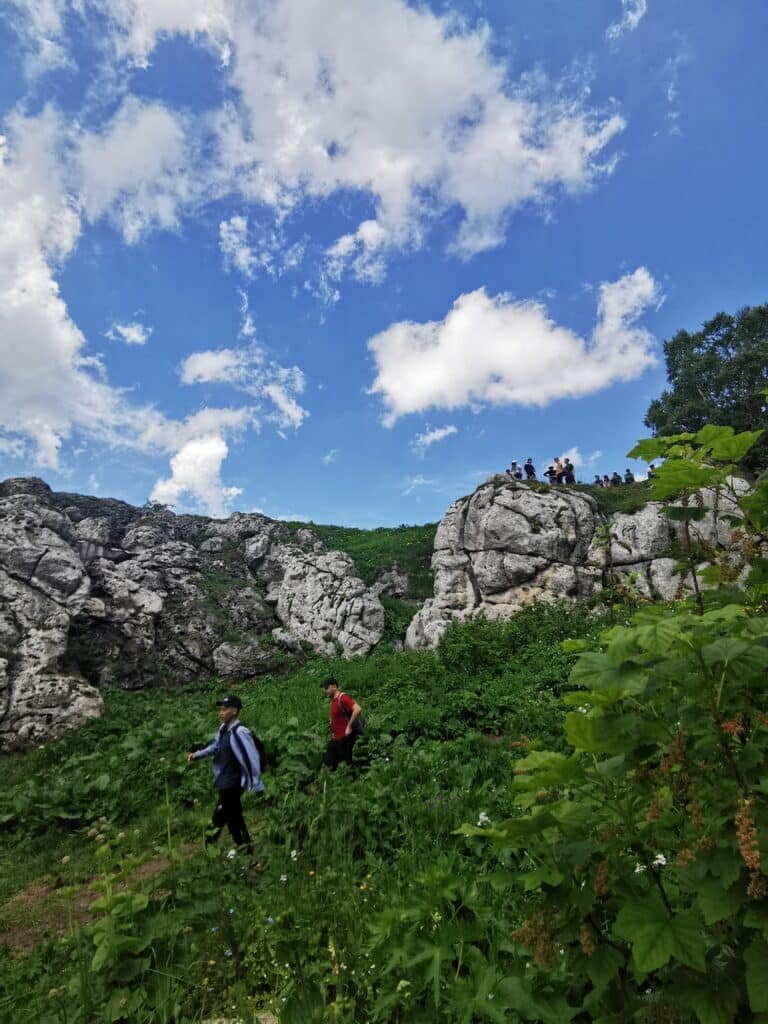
{"x":244,"y":759}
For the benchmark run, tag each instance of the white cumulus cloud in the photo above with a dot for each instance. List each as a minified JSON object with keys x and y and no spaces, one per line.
{"x":196,"y":471}
{"x":497,"y":351}
{"x":136,"y":170}
{"x":405,"y":106}
{"x":132,"y":333}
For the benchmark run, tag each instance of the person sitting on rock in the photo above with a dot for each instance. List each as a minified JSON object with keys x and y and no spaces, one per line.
{"x":515,"y":472}
{"x":598,"y":481}
{"x":569,"y":472}
{"x":551,"y":474}
{"x":629,"y":476}
{"x":530,"y":470}
{"x":606,"y":480}
{"x":651,"y":472}
{"x":615,"y":479}
{"x":559,"y":471}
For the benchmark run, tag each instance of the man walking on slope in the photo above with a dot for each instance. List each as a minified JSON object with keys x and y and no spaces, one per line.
{"x":236,"y":769}
{"x":344,"y":714}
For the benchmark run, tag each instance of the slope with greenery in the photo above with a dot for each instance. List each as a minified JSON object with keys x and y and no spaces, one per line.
{"x":364,"y":895}
{"x":561,"y":818}
{"x":377,"y":551}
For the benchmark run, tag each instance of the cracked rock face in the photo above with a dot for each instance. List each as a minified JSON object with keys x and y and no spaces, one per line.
{"x":508,"y":545}
{"x":95,"y":592}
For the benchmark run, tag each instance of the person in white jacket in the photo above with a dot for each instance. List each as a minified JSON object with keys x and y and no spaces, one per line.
{"x":236,"y":770}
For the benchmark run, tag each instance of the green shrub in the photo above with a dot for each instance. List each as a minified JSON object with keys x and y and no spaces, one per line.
{"x":642,"y":852}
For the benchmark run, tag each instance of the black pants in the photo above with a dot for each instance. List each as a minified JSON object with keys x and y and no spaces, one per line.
{"x":229,"y":811}
{"x":340,"y":750}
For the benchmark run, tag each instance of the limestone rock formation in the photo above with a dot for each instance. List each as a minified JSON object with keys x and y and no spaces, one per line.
{"x":509,"y":544}
{"x":96,"y":592}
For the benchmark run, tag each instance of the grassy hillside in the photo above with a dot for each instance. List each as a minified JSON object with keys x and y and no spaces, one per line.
{"x":364,"y":898}
{"x":375,"y":551}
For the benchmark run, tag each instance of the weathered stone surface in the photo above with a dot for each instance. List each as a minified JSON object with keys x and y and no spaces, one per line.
{"x":392,"y":582}
{"x":508,"y":545}
{"x":322,"y":602}
{"x":95,"y":592}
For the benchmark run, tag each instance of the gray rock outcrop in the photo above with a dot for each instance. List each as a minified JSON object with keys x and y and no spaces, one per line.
{"x":508,"y":544}
{"x":95,"y":592}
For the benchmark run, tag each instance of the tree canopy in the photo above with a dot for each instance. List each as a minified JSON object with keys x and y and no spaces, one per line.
{"x":719,"y":376}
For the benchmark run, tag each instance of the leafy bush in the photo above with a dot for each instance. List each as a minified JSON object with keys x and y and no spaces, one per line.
{"x":643,"y":851}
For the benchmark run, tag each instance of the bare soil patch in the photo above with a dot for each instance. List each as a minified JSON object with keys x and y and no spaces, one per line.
{"x":42,"y":909}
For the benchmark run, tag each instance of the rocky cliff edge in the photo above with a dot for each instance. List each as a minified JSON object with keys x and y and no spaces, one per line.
{"x":509,"y":544}
{"x":96,"y":592}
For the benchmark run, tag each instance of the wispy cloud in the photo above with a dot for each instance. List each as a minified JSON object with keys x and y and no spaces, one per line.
{"x":330,"y":456}
{"x":421,"y":442}
{"x":672,"y":69}
{"x":633,"y":12}
{"x":413,"y":483}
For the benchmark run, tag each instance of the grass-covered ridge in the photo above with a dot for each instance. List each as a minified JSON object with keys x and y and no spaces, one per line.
{"x":356,"y":870}
{"x":376,"y":551}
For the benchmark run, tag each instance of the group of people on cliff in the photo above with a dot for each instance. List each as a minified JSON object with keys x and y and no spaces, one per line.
{"x":563,"y":471}
{"x":238,"y":757}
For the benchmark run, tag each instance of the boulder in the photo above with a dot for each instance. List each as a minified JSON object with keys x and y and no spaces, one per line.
{"x":96,"y":592}
{"x":509,"y":544}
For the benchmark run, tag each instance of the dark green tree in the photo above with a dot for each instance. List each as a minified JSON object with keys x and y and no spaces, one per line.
{"x":717,"y":376}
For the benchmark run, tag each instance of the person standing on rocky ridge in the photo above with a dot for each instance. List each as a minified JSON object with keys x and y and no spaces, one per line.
{"x":530,"y":470}
{"x":344,"y":715}
{"x":236,"y":769}
{"x":569,"y":472}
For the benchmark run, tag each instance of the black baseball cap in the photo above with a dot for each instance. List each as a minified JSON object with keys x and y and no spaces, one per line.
{"x":328,"y":681}
{"x":230,"y":702}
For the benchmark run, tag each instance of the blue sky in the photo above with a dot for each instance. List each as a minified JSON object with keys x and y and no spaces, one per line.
{"x":342,"y":261}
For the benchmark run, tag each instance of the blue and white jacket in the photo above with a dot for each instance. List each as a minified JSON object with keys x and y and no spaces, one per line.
{"x":244,"y":750}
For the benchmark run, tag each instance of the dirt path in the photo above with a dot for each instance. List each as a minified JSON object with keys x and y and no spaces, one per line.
{"x":42,"y":909}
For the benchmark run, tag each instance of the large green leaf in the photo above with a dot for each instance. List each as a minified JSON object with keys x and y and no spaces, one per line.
{"x":649,"y":449}
{"x":714,"y":999}
{"x":660,"y":637}
{"x":595,"y":733}
{"x":598,"y":670}
{"x":732,"y":653}
{"x":657,"y":937}
{"x":733,"y":449}
{"x":715,"y":902}
{"x":677,"y":476}
{"x":756,"y":960}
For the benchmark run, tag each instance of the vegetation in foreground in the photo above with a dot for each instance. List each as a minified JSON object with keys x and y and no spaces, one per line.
{"x":493,"y":859}
{"x":362,"y":881}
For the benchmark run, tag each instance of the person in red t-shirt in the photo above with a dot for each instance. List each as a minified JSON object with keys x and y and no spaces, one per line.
{"x":344,"y":712}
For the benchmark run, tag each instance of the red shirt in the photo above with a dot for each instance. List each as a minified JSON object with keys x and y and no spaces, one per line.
{"x":341,"y":709}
